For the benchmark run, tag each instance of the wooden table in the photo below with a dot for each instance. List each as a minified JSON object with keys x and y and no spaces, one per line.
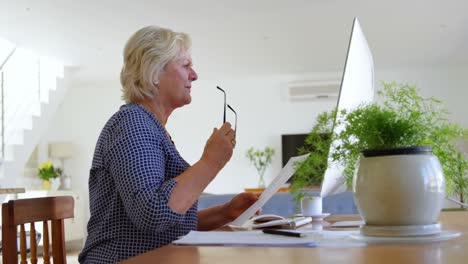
{"x":452,"y":251}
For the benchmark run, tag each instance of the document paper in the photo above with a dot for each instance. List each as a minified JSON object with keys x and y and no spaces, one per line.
{"x":311,"y":238}
{"x":244,"y":238}
{"x":279,"y":180}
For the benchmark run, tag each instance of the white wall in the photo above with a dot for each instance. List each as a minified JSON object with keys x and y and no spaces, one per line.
{"x":263,"y":115}
{"x":447,"y":84}
{"x":79,"y":120}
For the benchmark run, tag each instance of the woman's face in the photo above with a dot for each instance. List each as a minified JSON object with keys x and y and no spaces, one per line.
{"x":175,"y":81}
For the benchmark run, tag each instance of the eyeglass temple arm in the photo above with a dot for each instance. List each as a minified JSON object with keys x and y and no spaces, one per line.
{"x":235,"y":114}
{"x":224,"y":116}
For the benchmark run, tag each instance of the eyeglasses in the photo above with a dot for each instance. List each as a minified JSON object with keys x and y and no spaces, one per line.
{"x":230,"y":108}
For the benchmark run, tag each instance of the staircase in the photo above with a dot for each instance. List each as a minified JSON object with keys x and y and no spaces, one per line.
{"x":32,"y":88}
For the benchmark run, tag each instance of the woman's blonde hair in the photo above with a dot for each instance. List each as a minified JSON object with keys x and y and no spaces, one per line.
{"x":145,"y":55}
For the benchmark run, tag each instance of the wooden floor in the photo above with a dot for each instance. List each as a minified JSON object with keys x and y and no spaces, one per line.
{"x":73,"y":250}
{"x":71,"y":259}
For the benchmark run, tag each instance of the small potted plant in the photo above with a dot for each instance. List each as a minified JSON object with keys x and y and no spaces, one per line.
{"x":460,"y":177}
{"x":311,"y":171}
{"x":260,"y":159}
{"x":47,"y":172}
{"x":391,"y":155}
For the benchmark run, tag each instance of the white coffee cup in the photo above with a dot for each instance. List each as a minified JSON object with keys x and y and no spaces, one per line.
{"x":311,"y":205}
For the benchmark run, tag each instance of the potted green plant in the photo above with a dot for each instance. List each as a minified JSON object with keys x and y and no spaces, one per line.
{"x":48,"y":172}
{"x":311,"y":171}
{"x":260,"y":159}
{"x":404,"y":124}
{"x":460,"y":176}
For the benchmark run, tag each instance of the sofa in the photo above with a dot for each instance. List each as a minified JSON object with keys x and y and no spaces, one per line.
{"x":283,"y":204}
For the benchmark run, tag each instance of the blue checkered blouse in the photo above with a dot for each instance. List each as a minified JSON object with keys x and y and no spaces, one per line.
{"x":130,"y":182}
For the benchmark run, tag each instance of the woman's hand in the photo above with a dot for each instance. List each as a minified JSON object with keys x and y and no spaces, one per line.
{"x":217,"y":216}
{"x":240,"y":203}
{"x":218,"y":148}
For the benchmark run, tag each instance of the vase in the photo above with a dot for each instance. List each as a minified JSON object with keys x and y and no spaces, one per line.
{"x":54,"y":184}
{"x":261,"y":182}
{"x":400,"y":187}
{"x":46,"y":185}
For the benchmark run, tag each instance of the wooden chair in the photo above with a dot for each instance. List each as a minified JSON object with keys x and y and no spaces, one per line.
{"x":27,"y":211}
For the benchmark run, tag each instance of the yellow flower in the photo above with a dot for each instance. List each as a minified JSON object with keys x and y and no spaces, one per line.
{"x":45,"y":165}
{"x":47,"y":171}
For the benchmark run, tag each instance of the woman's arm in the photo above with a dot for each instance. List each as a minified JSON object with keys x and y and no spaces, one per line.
{"x":213,"y":217}
{"x":193,"y":181}
{"x":217,"y":216}
{"x":137,"y":163}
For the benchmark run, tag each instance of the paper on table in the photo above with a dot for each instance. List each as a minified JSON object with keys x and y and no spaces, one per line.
{"x":244,"y":238}
{"x":283,"y":176}
{"x":335,"y":239}
{"x":257,"y":238}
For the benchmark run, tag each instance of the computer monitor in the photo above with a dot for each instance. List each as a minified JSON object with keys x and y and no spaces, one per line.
{"x":357,"y":87}
{"x":290,"y":145}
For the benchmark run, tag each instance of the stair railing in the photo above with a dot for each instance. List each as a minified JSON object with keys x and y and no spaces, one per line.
{"x":2,"y":99}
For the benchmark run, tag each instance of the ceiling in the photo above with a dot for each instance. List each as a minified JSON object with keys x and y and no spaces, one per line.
{"x":242,"y":38}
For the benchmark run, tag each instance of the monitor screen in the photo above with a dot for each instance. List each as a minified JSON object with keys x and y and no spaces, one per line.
{"x":357,"y":87}
{"x":290,"y":145}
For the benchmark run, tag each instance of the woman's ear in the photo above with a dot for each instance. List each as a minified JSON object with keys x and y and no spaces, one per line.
{"x":155,"y":80}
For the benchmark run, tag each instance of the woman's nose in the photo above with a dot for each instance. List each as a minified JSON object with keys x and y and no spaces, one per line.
{"x":193,"y":75}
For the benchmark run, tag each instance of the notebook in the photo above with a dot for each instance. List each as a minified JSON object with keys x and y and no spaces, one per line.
{"x":242,"y":222}
{"x":276,"y":221}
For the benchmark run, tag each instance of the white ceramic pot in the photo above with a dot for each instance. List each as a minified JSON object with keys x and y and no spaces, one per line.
{"x":406,"y":187}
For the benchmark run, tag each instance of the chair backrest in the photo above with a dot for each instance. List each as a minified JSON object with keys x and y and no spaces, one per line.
{"x":27,"y":211}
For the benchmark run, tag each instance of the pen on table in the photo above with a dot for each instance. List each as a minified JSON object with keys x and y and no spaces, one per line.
{"x":282,"y":233}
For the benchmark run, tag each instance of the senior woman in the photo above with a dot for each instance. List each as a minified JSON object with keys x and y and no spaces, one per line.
{"x":143,"y":194}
